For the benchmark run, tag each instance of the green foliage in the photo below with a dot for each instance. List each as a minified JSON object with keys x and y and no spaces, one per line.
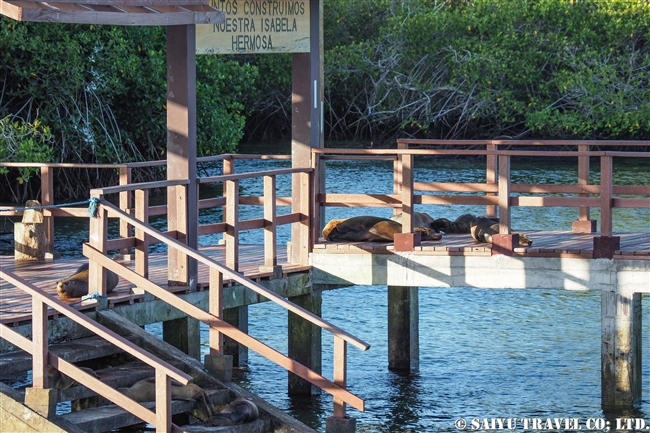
{"x":488,"y":68}
{"x":102,"y":91}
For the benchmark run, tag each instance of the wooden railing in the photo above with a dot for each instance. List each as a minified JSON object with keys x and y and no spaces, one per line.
{"x":41,"y":357}
{"x":98,"y":246}
{"x":497,"y":192}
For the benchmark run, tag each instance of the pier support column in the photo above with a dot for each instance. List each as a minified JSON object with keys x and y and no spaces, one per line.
{"x":621,"y":350}
{"x":305,"y":344}
{"x":403,"y":328}
{"x":237,"y":317}
{"x":184,"y":334}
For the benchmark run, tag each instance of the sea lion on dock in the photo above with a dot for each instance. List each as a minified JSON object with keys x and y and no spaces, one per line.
{"x":370,"y":229}
{"x":482,"y":230}
{"x":58,"y":380}
{"x":76,"y":285}
{"x":238,"y":411}
{"x":419,"y":219}
{"x":459,"y":225}
{"x":145,"y":390}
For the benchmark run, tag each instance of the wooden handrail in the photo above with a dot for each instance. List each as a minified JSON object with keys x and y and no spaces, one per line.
{"x":252,"y":175}
{"x":237,"y":277}
{"x":39,"y":343}
{"x":228,"y":329}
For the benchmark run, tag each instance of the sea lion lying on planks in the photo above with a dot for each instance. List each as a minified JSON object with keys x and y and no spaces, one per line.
{"x":419,"y":219}
{"x":239,"y":411}
{"x":483,"y":229}
{"x":459,"y":225}
{"x":145,"y":390}
{"x":76,"y":285}
{"x":58,"y":380}
{"x":370,"y":229}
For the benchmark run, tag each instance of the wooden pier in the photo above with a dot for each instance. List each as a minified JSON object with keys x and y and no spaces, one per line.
{"x":215,"y":284}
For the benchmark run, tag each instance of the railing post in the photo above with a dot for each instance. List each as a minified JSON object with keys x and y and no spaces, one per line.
{"x":270,"y":227}
{"x":231,"y":236}
{"x":397,"y":175}
{"x":505,"y":242}
{"x":47,"y":199}
{"x":97,"y":239}
{"x":126,"y":201}
{"x":163,"y":402}
{"x":583,"y":224}
{"x":142,"y":239}
{"x":606,"y":244}
{"x":491,"y":177}
{"x":407,"y":240}
{"x":339,"y":422}
{"x":39,"y":396}
{"x":319,"y":178}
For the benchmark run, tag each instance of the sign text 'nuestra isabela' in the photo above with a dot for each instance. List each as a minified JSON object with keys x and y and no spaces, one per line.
{"x":257,"y":26}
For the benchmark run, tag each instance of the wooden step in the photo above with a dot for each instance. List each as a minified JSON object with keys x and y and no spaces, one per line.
{"x":73,"y":351}
{"x":257,"y":426}
{"x":110,"y":417}
{"x":116,"y":377}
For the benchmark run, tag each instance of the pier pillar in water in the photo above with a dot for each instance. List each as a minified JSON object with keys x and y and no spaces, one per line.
{"x":305,"y":342}
{"x":237,"y":317}
{"x":403,"y":328}
{"x":621,"y":349}
{"x":184,"y":334}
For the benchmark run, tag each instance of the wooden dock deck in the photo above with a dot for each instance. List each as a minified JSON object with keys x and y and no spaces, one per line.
{"x":15,"y":306}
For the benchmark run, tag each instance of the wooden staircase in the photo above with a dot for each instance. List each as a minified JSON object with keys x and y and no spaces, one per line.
{"x":92,"y":414}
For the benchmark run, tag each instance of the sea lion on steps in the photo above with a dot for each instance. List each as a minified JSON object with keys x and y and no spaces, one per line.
{"x":76,"y":285}
{"x":419,"y":219}
{"x":145,"y":390}
{"x":58,"y":380}
{"x":239,"y":411}
{"x":370,"y":229}
{"x":459,"y":225}
{"x":482,"y":230}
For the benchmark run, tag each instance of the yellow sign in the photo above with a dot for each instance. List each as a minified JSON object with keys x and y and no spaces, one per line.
{"x":256,"y":26}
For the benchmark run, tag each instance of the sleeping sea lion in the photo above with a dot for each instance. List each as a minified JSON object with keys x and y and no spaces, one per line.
{"x":459,"y":225}
{"x":483,"y":229}
{"x":239,"y":411}
{"x":145,"y":390}
{"x":76,"y":285}
{"x":370,"y":229}
{"x":58,"y":380}
{"x":420,"y":219}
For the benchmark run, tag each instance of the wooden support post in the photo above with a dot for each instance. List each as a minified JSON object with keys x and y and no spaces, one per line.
{"x":238,"y":317}
{"x":217,"y":362}
{"x":47,"y":199}
{"x":583,"y":224}
{"x":142,"y":239}
{"x":403,"y":328}
{"x":340,"y":422}
{"x":491,"y":177}
{"x":270,"y":227}
{"x":231,"y":236}
{"x":605,"y":245}
{"x":182,"y":201}
{"x":126,"y":202}
{"x":301,"y":112}
{"x":184,"y":334}
{"x":505,"y":242}
{"x":305,"y":344}
{"x":39,"y":397}
{"x":97,"y":239}
{"x":407,"y":240}
{"x":621,"y":350}
{"x":163,"y":402}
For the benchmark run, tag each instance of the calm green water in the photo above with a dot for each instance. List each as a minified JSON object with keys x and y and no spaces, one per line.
{"x":483,"y":353}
